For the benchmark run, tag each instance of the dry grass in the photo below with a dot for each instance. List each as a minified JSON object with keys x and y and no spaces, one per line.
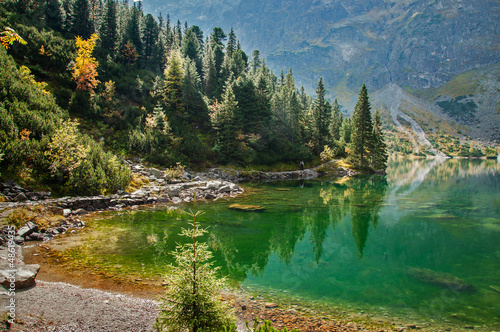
{"x":137,"y":182}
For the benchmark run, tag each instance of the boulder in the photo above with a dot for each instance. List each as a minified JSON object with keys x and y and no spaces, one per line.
{"x":19,"y":198}
{"x":27,"y":229}
{"x":225,"y":189}
{"x":444,"y":280}
{"x":24,"y":275}
{"x":176,"y":200}
{"x":80,"y":212}
{"x":155,"y":172}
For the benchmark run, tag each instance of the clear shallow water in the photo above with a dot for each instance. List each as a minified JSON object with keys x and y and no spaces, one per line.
{"x":374,"y":243}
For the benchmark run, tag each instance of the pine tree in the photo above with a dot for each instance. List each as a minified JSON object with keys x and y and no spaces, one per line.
{"x":133,"y":32}
{"x":151,"y":34}
{"x":336,"y":122}
{"x":223,"y":118}
{"x":231,"y":43}
{"x":255,"y":60}
{"x":240,"y":63}
{"x":196,"y":107}
{"x":174,"y":80}
{"x":109,"y":28}
{"x":362,"y":130}
{"x":81,"y":23}
{"x":322,"y":112}
{"x":53,"y":13}
{"x":211,"y":86}
{"x":379,"y":149}
{"x":191,"y":49}
{"x":217,"y":37}
{"x":199,"y":35}
{"x":193,"y":301}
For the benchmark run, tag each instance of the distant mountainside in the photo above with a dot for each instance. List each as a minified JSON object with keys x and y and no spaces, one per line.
{"x":415,"y":44}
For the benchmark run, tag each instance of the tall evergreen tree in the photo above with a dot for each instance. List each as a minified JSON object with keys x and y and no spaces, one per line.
{"x":256,"y":62}
{"x":379,"y":149}
{"x":199,"y":34}
{"x":336,"y":122}
{"x":173,"y":88}
{"x":191,"y":49}
{"x":151,"y":33}
{"x":217,"y":36}
{"x":81,"y":23}
{"x":133,"y":31}
{"x":196,"y":107}
{"x":231,"y":43}
{"x":211,"y":86}
{"x":109,"y":28}
{"x":53,"y":13}
{"x":322,"y":112}
{"x":362,"y":130}
{"x":223,"y":121}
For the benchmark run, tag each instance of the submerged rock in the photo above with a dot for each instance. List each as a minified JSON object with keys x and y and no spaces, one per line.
{"x":241,"y":207}
{"x":445,"y":280}
{"x":495,"y":288}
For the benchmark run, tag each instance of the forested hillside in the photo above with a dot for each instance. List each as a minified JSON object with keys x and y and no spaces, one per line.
{"x":142,"y":86}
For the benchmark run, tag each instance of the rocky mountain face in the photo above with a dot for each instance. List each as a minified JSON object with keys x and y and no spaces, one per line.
{"x":415,"y":44}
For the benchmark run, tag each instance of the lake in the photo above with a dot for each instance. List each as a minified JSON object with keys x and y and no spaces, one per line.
{"x":422,"y":243}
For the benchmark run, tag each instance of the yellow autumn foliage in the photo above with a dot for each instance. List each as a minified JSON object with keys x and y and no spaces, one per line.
{"x":85,"y":68}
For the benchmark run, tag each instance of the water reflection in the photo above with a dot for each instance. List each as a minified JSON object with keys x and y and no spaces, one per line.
{"x":351,"y":239}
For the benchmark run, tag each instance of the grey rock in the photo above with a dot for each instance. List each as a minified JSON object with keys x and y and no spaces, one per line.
{"x":225,"y":189}
{"x":80,"y":211}
{"x":176,"y":200}
{"x":24,"y":275}
{"x":19,"y":198}
{"x":27,"y":229}
{"x":155,"y":172}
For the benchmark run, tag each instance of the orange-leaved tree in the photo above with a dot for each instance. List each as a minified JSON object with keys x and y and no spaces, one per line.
{"x":85,"y":69}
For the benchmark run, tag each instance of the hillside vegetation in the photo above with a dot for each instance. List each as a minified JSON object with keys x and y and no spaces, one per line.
{"x":89,"y":80}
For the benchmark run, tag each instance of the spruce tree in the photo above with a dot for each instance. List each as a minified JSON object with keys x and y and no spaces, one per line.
{"x":191,"y":48}
{"x":336,"y":122}
{"x":256,"y":62}
{"x":81,"y":24}
{"x":362,"y":130}
{"x":133,"y":32}
{"x":211,"y":86}
{"x":173,"y":88}
{"x":225,"y":124}
{"x":322,"y":112}
{"x":53,"y":13}
{"x":109,"y":28}
{"x":150,"y":36}
{"x":199,"y":34}
{"x":379,"y":149}
{"x":192,"y":300}
{"x":231,"y":43}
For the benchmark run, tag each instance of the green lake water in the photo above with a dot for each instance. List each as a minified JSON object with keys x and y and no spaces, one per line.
{"x":368,"y":243}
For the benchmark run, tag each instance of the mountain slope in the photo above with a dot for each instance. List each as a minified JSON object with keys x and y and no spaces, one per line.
{"x":404,"y":107}
{"x":427,"y":47}
{"x":417,"y":43}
